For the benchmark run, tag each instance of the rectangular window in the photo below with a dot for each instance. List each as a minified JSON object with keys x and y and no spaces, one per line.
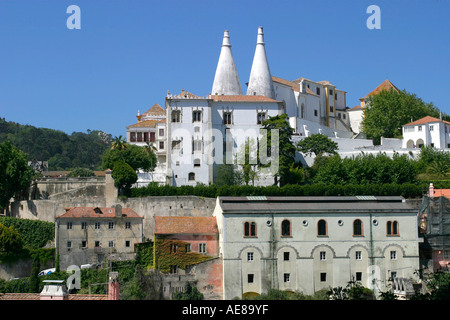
{"x":139,"y":136}
{"x":84,"y":225}
{"x":111,"y":244}
{"x":69,"y":225}
{"x":83,"y":244}
{"x":128,"y":225}
{"x":176,"y":116}
{"x":97,"y":225}
{"x":393,"y":275}
{"x":69,"y":244}
{"x":359,"y":276}
{"x":161,"y":132}
{"x":315,"y":113}
{"x":331,"y":109}
{"x":250,"y":278}
{"x":197,"y":145}
{"x":145,"y":136}
{"x":249,"y":229}
{"x":261,"y":117}
{"x":286,"y":256}
{"x":188,"y":247}
{"x":322,"y":255}
{"x":161,"y":145}
{"x":127,"y":243}
{"x":318,"y":91}
{"x":358,"y":255}
{"x":173,"y":269}
{"x":323,"y":277}
{"x":173,"y":248}
{"x":196,"y":116}
{"x":176,"y":145}
{"x":110,"y":225}
{"x":393,"y":255}
{"x":249,"y":256}
{"x":331,"y":92}
{"x":419,"y":128}
{"x":97,"y":244}
{"x":227,"y":117}
{"x":152,"y":136}
{"x":202,"y":247}
{"x":133,"y":136}
{"x":431,"y":128}
{"x":287,"y":277}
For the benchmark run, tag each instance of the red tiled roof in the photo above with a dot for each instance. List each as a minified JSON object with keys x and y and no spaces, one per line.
{"x":356,"y":108}
{"x":91,"y":212}
{"x":146,"y":123}
{"x":385,"y":85}
{"x":425,"y":120}
{"x":442,"y":193}
{"x":183,"y":224}
{"x":155,"y":110}
{"x":242,"y":98}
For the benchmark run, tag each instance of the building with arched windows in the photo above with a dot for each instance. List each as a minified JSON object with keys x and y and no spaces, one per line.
{"x":311,"y":243}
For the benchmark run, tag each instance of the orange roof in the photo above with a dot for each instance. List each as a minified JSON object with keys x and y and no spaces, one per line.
{"x":425,"y":120}
{"x":242,"y":98}
{"x":97,"y":212}
{"x":442,"y":193}
{"x":184,"y":224}
{"x":156,"y":110}
{"x":385,"y":85}
{"x":146,"y":124}
{"x":356,"y":108}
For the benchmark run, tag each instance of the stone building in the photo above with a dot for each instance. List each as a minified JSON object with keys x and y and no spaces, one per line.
{"x":313,"y":243}
{"x":88,"y":235}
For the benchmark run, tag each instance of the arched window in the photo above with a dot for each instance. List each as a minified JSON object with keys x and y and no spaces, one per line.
{"x":357,"y":228}
{"x":322,"y":228}
{"x":250,"y":229}
{"x":285,"y":228}
{"x":191,"y":176}
{"x":392,"y":228}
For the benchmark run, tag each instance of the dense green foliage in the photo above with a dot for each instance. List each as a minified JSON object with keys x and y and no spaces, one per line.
{"x":81,"y":172}
{"x":285,"y":153}
{"x":62,"y":151}
{"x":389,"y":110}
{"x":124,"y":176}
{"x":189,"y":293}
{"x":407,"y":190}
{"x":365,"y":169}
{"x":15,"y":174}
{"x":10,"y":240}
{"x":136,"y":157}
{"x":316,"y":144}
{"x":35,"y":233}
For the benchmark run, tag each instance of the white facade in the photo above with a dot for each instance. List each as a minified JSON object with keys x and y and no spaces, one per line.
{"x":427,"y":131}
{"x":311,"y":243}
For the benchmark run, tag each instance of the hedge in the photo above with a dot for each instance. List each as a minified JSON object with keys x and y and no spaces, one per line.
{"x":407,"y":190}
{"x":35,"y":233}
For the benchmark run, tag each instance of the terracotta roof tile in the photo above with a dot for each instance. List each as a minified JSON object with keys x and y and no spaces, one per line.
{"x":241,"y":98}
{"x":37,"y":296}
{"x":184,"y":224}
{"x":97,"y":212}
{"x":385,"y":85}
{"x":425,"y":120}
{"x":155,"y":110}
{"x":442,"y":193}
{"x":146,"y":124}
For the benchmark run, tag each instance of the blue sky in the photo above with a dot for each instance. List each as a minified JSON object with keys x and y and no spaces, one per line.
{"x":128,"y":54}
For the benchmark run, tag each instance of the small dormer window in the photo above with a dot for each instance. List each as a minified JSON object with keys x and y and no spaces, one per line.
{"x":97,"y":210}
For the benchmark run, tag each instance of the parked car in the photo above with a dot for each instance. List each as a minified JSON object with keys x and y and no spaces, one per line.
{"x":46,"y":271}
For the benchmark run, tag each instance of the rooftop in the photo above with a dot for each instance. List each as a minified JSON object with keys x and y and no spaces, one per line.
{"x":385,"y":85}
{"x":325,"y":204}
{"x":185,"y":224}
{"x":97,"y":212}
{"x":425,"y":120}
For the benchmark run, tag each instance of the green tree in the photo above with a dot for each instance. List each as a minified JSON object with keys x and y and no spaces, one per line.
{"x":135,"y":156}
{"x":248,"y":159}
{"x":190,"y":293}
{"x":124,"y":176}
{"x":34,"y":276}
{"x":285,"y":154}
{"x":317,"y":143}
{"x":10,"y":240}
{"x":386,"y":112}
{"x":119,"y":143}
{"x":15,"y":174}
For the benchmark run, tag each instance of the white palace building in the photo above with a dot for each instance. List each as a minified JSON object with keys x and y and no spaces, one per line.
{"x":193,"y":134}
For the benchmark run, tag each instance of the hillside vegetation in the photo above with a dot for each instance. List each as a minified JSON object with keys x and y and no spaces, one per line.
{"x":62,"y":151}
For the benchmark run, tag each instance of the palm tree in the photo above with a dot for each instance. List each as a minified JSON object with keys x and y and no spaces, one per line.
{"x":119,"y":143}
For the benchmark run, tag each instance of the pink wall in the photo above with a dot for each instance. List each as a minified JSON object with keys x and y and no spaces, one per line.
{"x":210,"y":240}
